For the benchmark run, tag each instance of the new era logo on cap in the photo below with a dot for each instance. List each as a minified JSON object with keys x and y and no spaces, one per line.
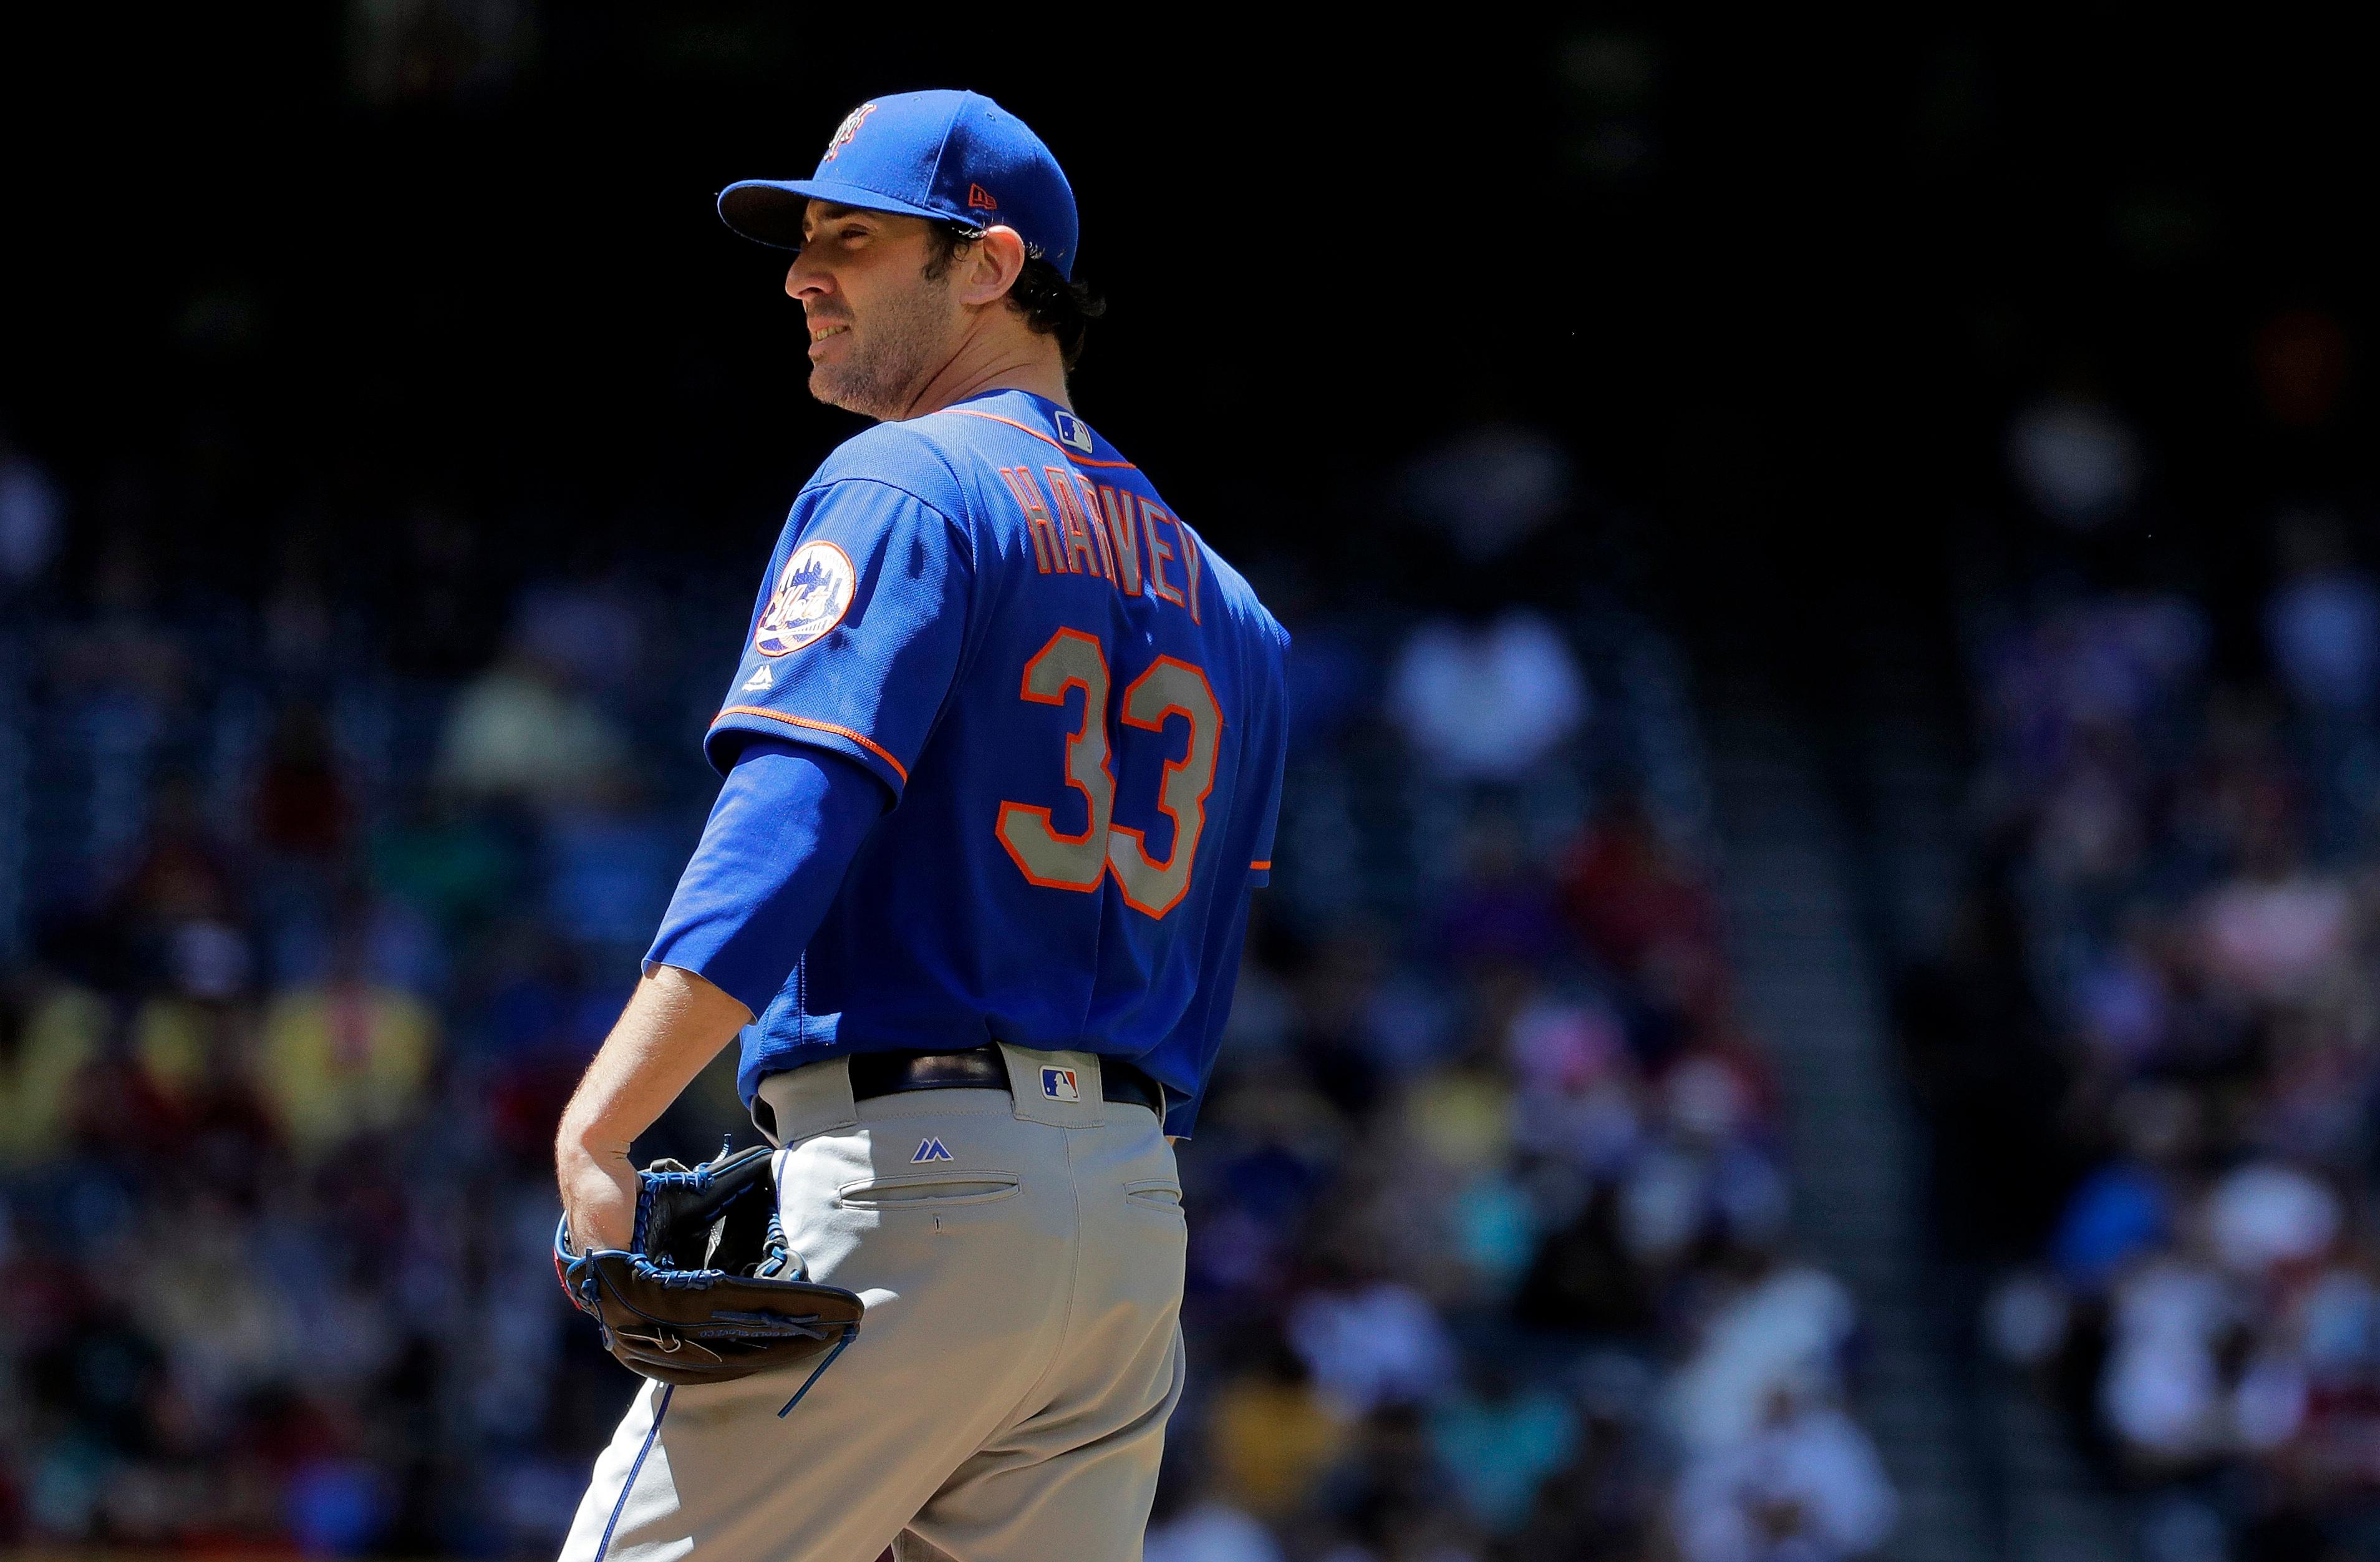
{"x":979,"y":200}
{"x":1062,"y":1084}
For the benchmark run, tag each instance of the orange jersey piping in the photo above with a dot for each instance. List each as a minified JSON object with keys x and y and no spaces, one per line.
{"x":870,"y":744}
{"x":1028,"y":427}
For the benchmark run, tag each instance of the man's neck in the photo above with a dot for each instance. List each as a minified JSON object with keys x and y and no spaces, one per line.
{"x":1012,"y":358}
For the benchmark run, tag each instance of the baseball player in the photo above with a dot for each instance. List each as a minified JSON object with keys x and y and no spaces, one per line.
{"x":1003,"y":759}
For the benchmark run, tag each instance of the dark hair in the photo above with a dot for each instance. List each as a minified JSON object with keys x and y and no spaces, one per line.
{"x":1050,"y":303}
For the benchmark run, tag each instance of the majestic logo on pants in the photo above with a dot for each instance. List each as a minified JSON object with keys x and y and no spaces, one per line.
{"x":1060,"y":1084}
{"x":930,"y":1149}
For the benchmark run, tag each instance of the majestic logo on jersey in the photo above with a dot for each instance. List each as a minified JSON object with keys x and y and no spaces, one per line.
{"x":761,"y":679}
{"x":1073,"y":430}
{"x":848,"y":128}
{"x":1062,"y":1084}
{"x":930,"y":1149}
{"x":813,"y":593}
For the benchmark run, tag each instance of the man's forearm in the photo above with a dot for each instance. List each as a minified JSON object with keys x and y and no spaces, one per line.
{"x":675,"y":1024}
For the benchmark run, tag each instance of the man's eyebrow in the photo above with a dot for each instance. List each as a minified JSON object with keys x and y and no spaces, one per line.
{"x":829,"y":213}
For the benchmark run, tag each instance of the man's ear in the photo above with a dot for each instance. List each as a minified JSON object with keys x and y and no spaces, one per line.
{"x":993,"y":264}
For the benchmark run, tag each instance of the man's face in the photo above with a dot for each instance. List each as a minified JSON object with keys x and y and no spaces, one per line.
{"x":878,"y":328}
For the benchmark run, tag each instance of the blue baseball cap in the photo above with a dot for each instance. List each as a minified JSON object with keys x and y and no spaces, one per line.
{"x":955,"y":156}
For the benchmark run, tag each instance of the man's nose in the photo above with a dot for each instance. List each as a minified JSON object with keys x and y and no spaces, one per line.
{"x":803,"y":282}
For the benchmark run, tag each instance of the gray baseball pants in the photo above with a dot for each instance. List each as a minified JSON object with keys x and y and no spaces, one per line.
{"x":1005,"y":1400}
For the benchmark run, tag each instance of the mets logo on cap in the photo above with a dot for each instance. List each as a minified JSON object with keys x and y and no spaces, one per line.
{"x":848,"y":128}
{"x":813,"y":593}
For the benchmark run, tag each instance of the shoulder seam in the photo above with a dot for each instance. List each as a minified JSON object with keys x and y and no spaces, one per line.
{"x":917,"y":436}
{"x":964,"y":531}
{"x":815,"y":486}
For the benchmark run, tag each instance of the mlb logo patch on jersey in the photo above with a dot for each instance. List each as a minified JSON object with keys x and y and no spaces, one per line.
{"x":1062,"y":1084}
{"x":813,"y":593}
{"x":1073,"y":430}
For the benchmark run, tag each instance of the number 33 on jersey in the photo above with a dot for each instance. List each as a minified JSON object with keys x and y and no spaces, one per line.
{"x":1078,"y":713}
{"x":1170,"y":688}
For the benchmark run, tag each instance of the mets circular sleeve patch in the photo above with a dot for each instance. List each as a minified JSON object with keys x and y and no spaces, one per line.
{"x":813,"y":593}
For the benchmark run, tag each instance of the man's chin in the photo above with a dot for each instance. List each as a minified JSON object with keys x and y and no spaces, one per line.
{"x":830,"y":388}
{"x":844,"y":391}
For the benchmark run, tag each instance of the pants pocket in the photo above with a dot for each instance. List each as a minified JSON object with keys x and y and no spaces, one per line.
{"x":927,"y":1191}
{"x":1163,"y":1196}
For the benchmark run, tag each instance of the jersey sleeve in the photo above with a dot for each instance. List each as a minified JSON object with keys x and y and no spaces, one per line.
{"x":1271,"y":759}
{"x":1268,"y":821}
{"x":856,"y":633}
{"x":781,"y":837}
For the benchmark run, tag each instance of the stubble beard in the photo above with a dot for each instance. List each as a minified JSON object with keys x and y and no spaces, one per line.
{"x":879,"y":377}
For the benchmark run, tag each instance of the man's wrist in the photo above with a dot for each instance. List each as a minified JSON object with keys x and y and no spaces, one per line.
{"x":584,"y":1142}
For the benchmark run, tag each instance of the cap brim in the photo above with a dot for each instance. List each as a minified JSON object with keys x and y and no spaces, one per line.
{"x":770,"y":211}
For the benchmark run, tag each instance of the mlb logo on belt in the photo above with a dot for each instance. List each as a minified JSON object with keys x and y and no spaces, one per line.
{"x":1060,"y":1084}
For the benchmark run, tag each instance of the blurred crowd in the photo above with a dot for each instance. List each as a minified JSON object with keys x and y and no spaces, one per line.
{"x":313,"y":904}
{"x":2181,"y":813}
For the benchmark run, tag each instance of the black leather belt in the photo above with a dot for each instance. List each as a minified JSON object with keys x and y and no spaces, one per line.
{"x":889,"y":1073}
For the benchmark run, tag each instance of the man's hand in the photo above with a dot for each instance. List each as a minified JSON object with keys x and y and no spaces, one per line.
{"x":675,"y":1024}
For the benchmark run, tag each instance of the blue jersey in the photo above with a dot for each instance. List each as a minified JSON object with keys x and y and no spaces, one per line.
{"x":1078,"y":709}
